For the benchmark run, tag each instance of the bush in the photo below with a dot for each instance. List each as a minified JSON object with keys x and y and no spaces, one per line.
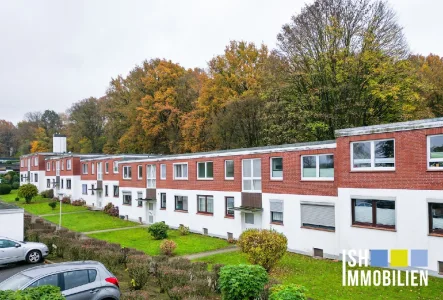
{"x":17,"y":199}
{"x":47,"y":194}
{"x":167,"y":247}
{"x":263,"y":247}
{"x":66,"y":200}
{"x":27,"y":191}
{"x":52,"y":204}
{"x":135,"y":295}
{"x":138,"y":267}
{"x":242,"y":281}
{"x":183,"y":230}
{"x":159,"y":230}
{"x":5,"y":189}
{"x":79,"y":202}
{"x":45,"y":292}
{"x":15,"y":185}
{"x":111,"y":210}
{"x":288,"y":292}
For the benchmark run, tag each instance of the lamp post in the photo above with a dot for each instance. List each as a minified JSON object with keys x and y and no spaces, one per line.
{"x":60,"y":219}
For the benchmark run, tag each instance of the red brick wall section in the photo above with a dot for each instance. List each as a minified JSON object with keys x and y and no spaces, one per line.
{"x":410,"y":163}
{"x":88,"y":176}
{"x":111,"y":175}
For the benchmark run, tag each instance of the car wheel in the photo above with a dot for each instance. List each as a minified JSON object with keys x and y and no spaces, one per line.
{"x":33,"y":257}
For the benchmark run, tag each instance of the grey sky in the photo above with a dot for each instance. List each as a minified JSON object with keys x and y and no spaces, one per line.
{"x":53,"y":53}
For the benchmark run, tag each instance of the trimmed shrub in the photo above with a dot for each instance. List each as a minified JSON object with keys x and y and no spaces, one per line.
{"x":242,"y":281}
{"x":138,"y":268}
{"x":288,"y":292}
{"x":263,"y":247}
{"x":27,"y":191}
{"x":15,"y":185}
{"x":183,"y":230}
{"x":159,"y":230}
{"x":17,"y":199}
{"x":167,"y":247}
{"x":5,"y":189}
{"x":111,"y":210}
{"x":45,"y":292}
{"x":47,"y":194}
{"x":52,"y":205}
{"x":66,"y":200}
{"x":79,"y":202}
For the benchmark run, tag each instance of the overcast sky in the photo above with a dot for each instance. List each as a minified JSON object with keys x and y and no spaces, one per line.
{"x":54,"y":53}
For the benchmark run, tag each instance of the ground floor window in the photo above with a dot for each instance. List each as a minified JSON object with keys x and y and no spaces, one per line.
{"x":106,"y":191}
{"x":318,"y":216}
{"x":68,"y":184}
{"x":181,"y":203}
{"x":373,"y":213}
{"x":205,"y":204}
{"x":127,"y":198}
{"x":92,"y":189}
{"x":139,"y":196}
{"x":84,"y":189}
{"x":249,"y":218}
{"x":35,"y":177}
{"x":163,"y":200}
{"x":62,"y":183}
{"x":436,"y":218}
{"x":116,"y":193}
{"x":229,"y":207}
{"x":276,"y":207}
{"x":48,"y":183}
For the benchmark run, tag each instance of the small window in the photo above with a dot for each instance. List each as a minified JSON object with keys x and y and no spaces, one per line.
{"x":317,"y":216}
{"x":151,"y":176}
{"x":92,"y":168}
{"x":163,"y":200}
{"x":48,"y":166}
{"x":205,"y":170}
{"x":115,"y":167}
{"x":63,"y":165}
{"x":48,"y":183}
{"x":373,"y":155}
{"x":75,"y":279}
{"x":36,"y":161}
{"x":181,"y":203}
{"x":85,"y":168}
{"x":115,"y":191}
{"x":162,"y":171}
{"x":229,"y":169}
{"x":92,"y":189}
{"x":68,"y":164}
{"x":436,"y":218}
{"x":62,"y":182}
{"x":181,"y":171}
{"x":318,"y":252}
{"x":317,"y":167}
{"x":205,"y":204}
{"x":229,"y":207}
{"x":249,"y":218}
{"x":48,"y":280}
{"x":53,"y":166}
{"x":68,"y":184}
{"x":440,"y":267}
{"x":84,"y":189}
{"x":35,"y":177}
{"x":276,"y":168}
{"x":139,"y":196}
{"x":276,"y":208}
{"x":106,"y":167}
{"x":127,"y":172}
{"x":139,"y":172}
{"x":127,"y":198}
{"x":106,"y":190}
{"x":373,"y":213}
{"x":435,"y":152}
{"x":252,"y":175}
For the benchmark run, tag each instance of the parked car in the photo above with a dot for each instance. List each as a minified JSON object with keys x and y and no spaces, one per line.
{"x":77,"y":280}
{"x":13,"y":251}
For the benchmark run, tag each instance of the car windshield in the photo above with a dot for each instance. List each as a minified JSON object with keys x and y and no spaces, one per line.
{"x":15,"y":282}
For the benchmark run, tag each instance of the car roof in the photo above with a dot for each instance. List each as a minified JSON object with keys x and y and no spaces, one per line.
{"x":60,"y":267}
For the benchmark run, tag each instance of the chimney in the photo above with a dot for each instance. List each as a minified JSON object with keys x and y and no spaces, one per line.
{"x":59,"y":143}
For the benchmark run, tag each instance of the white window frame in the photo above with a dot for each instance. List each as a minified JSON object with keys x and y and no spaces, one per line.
{"x":36,"y":161}
{"x":428,"y":154}
{"x":252,"y":178}
{"x":107,"y":167}
{"x":151,"y":182}
{"x":372,"y":168}
{"x":68,"y":164}
{"x":84,"y":189}
{"x":84,"y":167}
{"x":139,"y":174}
{"x":126,"y":173}
{"x":270,"y":168}
{"x":163,"y":166}
{"x":63,"y":164}
{"x":206,"y":170}
{"x":317,"y":168}
{"x":48,"y":166}
{"x":115,"y":167}
{"x":126,"y":193}
{"x":99,"y":171}
{"x":22,"y":163}
{"x":229,"y":178}
{"x":175,"y":173}
{"x":92,"y":167}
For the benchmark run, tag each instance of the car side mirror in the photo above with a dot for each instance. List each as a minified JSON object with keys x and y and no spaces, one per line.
{"x":17,"y":245}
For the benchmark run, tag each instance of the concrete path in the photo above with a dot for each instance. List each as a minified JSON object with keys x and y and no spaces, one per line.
{"x":114,"y":229}
{"x":209,"y":253}
{"x":66,"y":213}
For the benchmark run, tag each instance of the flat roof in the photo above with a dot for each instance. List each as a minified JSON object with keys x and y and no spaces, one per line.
{"x":391,"y":127}
{"x":4,"y":205}
{"x":122,"y":156}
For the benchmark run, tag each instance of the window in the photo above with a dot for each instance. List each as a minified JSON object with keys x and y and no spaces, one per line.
{"x":127,"y":172}
{"x":252,"y":175}
{"x":35,"y":177}
{"x":205,"y":204}
{"x":63,"y":165}
{"x":48,"y":166}
{"x":84,"y":189}
{"x":181,"y":203}
{"x":181,"y":171}
{"x":373,"y":155}
{"x":162,"y":171}
{"x":229,"y":207}
{"x":68,"y":164}
{"x":229,"y":169}
{"x":116,"y":192}
{"x":139,"y":172}
{"x":53,"y":166}
{"x":21,"y":177}
{"x":205,"y":170}
{"x":276,"y":208}
{"x":6,"y":244}
{"x":151,"y":175}
{"x":317,"y":215}
{"x":249,"y":218}
{"x":436,"y":218}
{"x":127,"y":198}
{"x":276,"y":168}
{"x":92,"y":168}
{"x":48,"y":183}
{"x":92,"y":189}
{"x":139,"y":196}
{"x":62,"y":184}
{"x":68,"y":184}
{"x":75,"y":279}
{"x":373,"y":213}
{"x":106,"y":191}
{"x":85,"y":168}
{"x":115,"y":167}
{"x":48,"y":280}
{"x":22,"y":163}
{"x":435,"y":152}
{"x":36,"y":161}
{"x":106,"y":167}
{"x":163,"y":200}
{"x":317,"y":167}
{"x":30,"y":176}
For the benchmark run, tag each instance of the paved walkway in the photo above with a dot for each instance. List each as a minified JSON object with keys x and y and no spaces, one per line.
{"x":209,"y":253}
{"x":114,"y":229}
{"x":66,"y":213}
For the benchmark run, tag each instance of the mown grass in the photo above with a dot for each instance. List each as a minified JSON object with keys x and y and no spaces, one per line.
{"x":140,"y":239}
{"x":323,"y":279}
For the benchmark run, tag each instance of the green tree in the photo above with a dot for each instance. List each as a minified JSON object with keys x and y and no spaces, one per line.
{"x":8,"y":138}
{"x":27,"y":191}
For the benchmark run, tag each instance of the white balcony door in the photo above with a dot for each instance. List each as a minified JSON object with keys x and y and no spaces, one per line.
{"x":57,"y":168}
{"x":99,"y":171}
{"x":151,"y":179}
{"x":151,"y":213}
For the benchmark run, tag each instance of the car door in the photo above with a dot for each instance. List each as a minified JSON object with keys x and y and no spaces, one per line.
{"x":81,"y":284}
{"x":9,"y":252}
{"x":52,"y":279}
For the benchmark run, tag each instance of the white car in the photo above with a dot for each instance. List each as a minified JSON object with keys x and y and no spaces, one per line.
{"x":14,"y":251}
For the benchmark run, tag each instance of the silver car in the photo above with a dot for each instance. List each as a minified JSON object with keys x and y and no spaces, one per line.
{"x":13,"y":251}
{"x":78,"y":280}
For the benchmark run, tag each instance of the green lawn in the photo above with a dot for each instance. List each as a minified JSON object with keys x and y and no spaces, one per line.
{"x":91,"y":221}
{"x":323,"y":279}
{"x":140,"y":239}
